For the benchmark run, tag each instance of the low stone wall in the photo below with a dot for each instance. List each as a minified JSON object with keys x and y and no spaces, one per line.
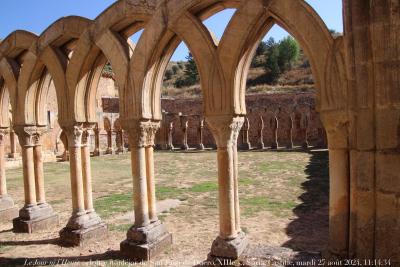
{"x":295,"y":114}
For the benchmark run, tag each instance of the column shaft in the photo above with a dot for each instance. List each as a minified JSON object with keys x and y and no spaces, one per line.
{"x":29,"y":175}
{"x":151,"y":191}
{"x":3,"y":183}
{"x":78,"y":204}
{"x":39,"y":174}
{"x":87,"y":177}
{"x":140,"y":197}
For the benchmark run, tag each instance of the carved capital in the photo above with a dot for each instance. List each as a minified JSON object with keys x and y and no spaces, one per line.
{"x":225,"y":129}
{"x":141,"y":133}
{"x":336,"y":125}
{"x":74,"y":134}
{"x":29,"y":136}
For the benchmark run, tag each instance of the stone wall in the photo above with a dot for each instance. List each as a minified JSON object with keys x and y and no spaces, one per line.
{"x":297,"y":109}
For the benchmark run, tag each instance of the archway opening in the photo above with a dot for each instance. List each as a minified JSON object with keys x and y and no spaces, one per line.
{"x":286,"y":186}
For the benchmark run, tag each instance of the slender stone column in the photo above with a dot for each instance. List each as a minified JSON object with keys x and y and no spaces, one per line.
{"x":109,"y":143}
{"x":39,"y":173}
{"x":231,"y":241}
{"x":245,"y":135}
{"x":36,"y":215}
{"x":84,"y":224}
{"x":275,"y":127}
{"x":200,"y":132}
{"x":119,"y":141}
{"x":261,"y":131}
{"x":8,"y":210}
{"x":290,"y":133}
{"x":13,"y":146}
{"x":184,"y":125}
{"x":86,"y":171}
{"x":96,"y":152}
{"x":170,"y":136}
{"x":148,"y":236}
{"x":339,"y":176}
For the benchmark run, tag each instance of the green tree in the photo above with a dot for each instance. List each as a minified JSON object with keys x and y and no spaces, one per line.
{"x":191,"y":72}
{"x":272,"y":62}
{"x":168,"y":74}
{"x":289,"y":51}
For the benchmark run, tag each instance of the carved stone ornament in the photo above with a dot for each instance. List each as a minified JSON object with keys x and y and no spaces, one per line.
{"x":74,"y":134}
{"x":29,"y":136}
{"x":141,"y":133}
{"x":225,"y":129}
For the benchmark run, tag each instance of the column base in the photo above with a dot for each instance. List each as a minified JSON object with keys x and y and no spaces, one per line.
{"x":80,"y":237}
{"x":143,"y":244}
{"x":7,"y":215}
{"x":185,"y":147}
{"x":35,"y":225}
{"x":200,"y":147}
{"x":109,"y":151}
{"x":274,"y":146}
{"x":228,"y":249}
{"x":305,"y":146}
{"x":245,"y":146}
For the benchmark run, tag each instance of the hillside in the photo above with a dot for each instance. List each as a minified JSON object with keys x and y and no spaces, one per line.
{"x":297,"y":79}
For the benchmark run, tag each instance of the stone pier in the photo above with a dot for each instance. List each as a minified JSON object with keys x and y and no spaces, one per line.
{"x":36,"y":215}
{"x":84,"y":224}
{"x":148,"y":236}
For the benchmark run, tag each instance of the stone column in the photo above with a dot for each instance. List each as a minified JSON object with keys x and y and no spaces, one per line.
{"x":339,"y":179}
{"x":290,"y":133}
{"x":84,"y":224}
{"x":119,"y":141}
{"x":148,"y":236}
{"x":304,"y":130}
{"x":184,"y":126}
{"x":110,"y":149}
{"x":170,"y":136}
{"x":8,"y":210}
{"x":231,"y":241}
{"x":261,"y":131}
{"x":200,"y":131}
{"x":13,"y":146}
{"x":275,"y":126}
{"x":96,"y":131}
{"x":245,"y":135}
{"x":36,"y":215}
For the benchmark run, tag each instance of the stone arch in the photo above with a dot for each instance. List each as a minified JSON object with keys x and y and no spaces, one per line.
{"x":106,"y":40}
{"x":47,"y":61}
{"x":13,"y":50}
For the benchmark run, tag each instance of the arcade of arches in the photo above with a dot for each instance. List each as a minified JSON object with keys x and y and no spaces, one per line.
{"x":358,"y":99}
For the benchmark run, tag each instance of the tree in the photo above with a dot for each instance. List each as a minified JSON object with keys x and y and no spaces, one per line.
{"x":191,"y":72}
{"x":168,"y":74}
{"x":271,"y":64}
{"x":175,"y":69}
{"x":289,"y":51}
{"x":261,"y":49}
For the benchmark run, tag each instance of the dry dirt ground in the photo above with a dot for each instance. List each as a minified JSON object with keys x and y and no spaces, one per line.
{"x":283,"y":196}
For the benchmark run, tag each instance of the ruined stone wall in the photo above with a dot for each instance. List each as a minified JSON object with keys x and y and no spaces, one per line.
{"x":297,"y":109}
{"x":300,"y":107}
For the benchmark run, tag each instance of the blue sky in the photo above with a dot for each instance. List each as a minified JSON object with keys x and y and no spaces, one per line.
{"x":37,"y":15}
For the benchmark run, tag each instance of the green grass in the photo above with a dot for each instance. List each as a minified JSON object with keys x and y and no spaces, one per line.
{"x":113,"y":204}
{"x":166,"y":192}
{"x":260,"y":203}
{"x":204,"y":187}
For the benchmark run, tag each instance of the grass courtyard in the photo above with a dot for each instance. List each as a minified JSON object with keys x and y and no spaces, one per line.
{"x":283,"y":197}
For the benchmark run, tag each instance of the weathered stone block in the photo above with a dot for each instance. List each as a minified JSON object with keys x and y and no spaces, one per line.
{"x":142,"y":244}
{"x":145,"y":252}
{"x":7,"y":215}
{"x":80,"y":237}
{"x":228,"y":249}
{"x":21,"y":225}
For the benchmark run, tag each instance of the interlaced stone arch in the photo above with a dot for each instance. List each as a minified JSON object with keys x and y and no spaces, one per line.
{"x":73,"y":51}
{"x":106,"y":40}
